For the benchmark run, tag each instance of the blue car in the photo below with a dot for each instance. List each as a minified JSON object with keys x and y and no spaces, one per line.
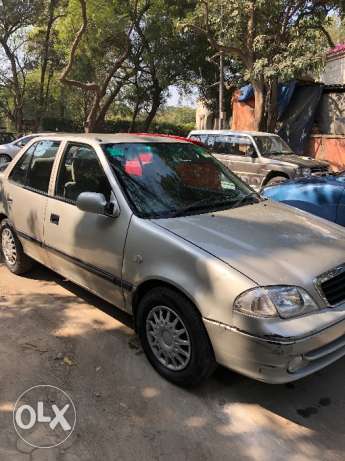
{"x":323,"y":196}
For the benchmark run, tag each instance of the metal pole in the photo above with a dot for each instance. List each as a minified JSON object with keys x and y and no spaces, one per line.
{"x":221,"y":91}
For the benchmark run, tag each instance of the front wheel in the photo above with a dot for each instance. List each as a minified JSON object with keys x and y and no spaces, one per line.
{"x":15,"y":258}
{"x":174,"y":338}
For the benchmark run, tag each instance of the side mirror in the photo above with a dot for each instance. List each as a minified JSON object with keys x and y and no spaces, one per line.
{"x":253,"y":154}
{"x":92,"y":202}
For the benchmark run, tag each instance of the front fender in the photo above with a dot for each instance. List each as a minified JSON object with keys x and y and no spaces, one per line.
{"x":154,"y":253}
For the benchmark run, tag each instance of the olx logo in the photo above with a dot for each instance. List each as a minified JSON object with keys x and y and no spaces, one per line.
{"x":44,"y":416}
{"x":39,"y":416}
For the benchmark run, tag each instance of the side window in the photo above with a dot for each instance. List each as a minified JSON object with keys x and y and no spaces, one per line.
{"x":81,"y":171}
{"x":20,"y":171}
{"x":22,"y":142}
{"x":234,"y":145}
{"x":209,"y":141}
{"x":222,"y":145}
{"x":41,"y":165}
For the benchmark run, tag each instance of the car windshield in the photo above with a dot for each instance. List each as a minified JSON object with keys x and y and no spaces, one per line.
{"x":175,"y":179}
{"x":272,"y":145}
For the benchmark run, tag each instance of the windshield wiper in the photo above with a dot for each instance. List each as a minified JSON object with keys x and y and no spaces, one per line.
{"x":252,"y":197}
{"x":200,"y":205}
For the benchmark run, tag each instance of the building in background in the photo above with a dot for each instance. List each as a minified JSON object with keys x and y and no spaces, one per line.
{"x":334,"y":72}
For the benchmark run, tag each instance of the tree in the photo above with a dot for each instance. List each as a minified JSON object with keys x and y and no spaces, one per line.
{"x":15,"y":18}
{"x":274,"y":40}
{"x":117,"y":20}
{"x":162,"y":56}
{"x":43,"y":45}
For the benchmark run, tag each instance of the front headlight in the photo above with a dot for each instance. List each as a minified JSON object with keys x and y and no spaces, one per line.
{"x":273,"y":301}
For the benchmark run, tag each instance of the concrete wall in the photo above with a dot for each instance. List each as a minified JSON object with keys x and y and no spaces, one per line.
{"x":334,"y":72}
{"x":331,"y":114}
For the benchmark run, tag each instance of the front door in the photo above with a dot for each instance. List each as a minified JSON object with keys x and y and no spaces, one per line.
{"x":26,"y":195}
{"x":84,"y":247}
{"x":236,"y":152}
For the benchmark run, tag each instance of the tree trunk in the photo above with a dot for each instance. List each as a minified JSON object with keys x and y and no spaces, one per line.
{"x":19,"y":122}
{"x":104,"y":106}
{"x":156,"y":102}
{"x":44,"y":92}
{"x":18,"y":91}
{"x":272,"y":106}
{"x":134,"y":117}
{"x":259,"y":96}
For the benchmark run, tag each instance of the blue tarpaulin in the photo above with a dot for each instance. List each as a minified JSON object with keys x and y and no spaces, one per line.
{"x":247,"y":93}
{"x":285,"y":93}
{"x":298,"y":119}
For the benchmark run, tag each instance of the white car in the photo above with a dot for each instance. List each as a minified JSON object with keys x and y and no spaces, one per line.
{"x":9,"y":151}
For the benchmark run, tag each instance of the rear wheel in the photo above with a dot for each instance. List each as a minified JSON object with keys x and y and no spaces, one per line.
{"x":174,"y":338}
{"x":4,"y":158}
{"x":12,"y":250}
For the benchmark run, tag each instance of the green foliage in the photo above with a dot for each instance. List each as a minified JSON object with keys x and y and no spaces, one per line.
{"x":176,"y":115}
{"x":336,"y":29}
{"x":275,"y":41}
{"x":281,"y":38}
{"x":264,"y":41}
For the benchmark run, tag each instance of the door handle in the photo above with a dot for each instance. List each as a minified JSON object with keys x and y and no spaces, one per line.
{"x":9,"y":199}
{"x":54,"y":219}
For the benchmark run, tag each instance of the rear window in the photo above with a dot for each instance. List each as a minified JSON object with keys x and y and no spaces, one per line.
{"x":35,"y":166}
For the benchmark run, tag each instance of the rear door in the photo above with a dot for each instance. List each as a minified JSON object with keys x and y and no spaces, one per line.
{"x":27,"y":192}
{"x":84,"y":247}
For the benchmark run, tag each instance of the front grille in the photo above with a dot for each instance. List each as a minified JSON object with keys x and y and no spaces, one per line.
{"x":333,"y":286}
{"x":319,"y":171}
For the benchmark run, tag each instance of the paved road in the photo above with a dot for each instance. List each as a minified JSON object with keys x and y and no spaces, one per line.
{"x":125,"y":411}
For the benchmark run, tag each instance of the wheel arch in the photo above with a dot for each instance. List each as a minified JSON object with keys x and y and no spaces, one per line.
{"x":274,"y":174}
{"x":149,"y":285}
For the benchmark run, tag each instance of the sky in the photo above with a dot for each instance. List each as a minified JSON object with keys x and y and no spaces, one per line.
{"x":175,"y":98}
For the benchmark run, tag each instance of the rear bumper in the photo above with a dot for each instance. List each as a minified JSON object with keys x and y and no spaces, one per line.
{"x":278,"y":360}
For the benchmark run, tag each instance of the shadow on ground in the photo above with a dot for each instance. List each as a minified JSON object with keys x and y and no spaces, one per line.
{"x":124,"y":407}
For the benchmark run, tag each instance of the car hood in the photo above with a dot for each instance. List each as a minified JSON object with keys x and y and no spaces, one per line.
{"x":302,"y":161}
{"x":268,"y":242}
{"x":5,"y":147}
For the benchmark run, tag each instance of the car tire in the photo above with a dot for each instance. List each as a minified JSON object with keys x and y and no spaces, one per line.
{"x":276,"y":180}
{"x":13,"y":254}
{"x":4,"y":158}
{"x":174,"y":338}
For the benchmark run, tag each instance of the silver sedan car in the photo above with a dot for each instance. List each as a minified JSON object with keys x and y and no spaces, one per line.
{"x":9,"y":150}
{"x":211,"y":272}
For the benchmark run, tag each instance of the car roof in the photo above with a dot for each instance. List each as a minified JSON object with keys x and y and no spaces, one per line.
{"x":102,"y":138}
{"x":232,"y":132}
{"x":36,"y":134}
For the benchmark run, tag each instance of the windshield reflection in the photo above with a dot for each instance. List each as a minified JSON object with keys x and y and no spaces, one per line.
{"x":272,"y":145}
{"x":168,"y":179}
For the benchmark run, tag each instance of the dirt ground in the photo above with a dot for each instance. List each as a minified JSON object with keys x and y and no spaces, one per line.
{"x":125,"y":411}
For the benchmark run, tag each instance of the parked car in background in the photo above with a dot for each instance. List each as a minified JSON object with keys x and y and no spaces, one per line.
{"x":260,"y":159}
{"x":324,"y":197}
{"x":211,"y":272}
{"x":10,"y":149}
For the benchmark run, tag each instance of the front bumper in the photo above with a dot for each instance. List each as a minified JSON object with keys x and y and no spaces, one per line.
{"x":276,"y":360}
